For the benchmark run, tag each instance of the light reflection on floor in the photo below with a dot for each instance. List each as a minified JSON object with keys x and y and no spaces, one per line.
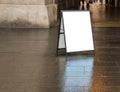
{"x":78,"y":74}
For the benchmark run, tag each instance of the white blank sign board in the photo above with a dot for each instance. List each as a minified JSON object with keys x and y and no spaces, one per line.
{"x":78,"y":31}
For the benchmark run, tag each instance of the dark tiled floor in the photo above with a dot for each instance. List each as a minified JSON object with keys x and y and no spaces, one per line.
{"x":28,"y":62}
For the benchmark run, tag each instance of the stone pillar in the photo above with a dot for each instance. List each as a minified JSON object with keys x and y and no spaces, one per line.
{"x":104,"y":2}
{"x":117,"y":3}
{"x":27,"y":13}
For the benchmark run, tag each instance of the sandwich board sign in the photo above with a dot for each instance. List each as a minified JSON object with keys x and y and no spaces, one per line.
{"x":75,"y":32}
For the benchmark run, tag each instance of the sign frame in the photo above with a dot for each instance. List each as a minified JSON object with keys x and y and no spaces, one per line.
{"x":62,"y":19}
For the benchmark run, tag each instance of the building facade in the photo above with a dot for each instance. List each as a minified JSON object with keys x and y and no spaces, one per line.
{"x":36,"y":13}
{"x":28,"y":13}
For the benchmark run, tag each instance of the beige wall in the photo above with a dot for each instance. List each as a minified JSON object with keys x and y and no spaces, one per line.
{"x":27,"y":13}
{"x":22,"y":2}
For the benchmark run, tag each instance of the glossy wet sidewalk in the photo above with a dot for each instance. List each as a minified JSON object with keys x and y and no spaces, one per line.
{"x":28,"y":63}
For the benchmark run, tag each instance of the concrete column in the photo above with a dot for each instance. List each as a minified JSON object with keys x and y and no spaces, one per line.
{"x":27,"y":13}
{"x":104,"y":2}
{"x":119,"y":3}
{"x":98,"y":1}
{"x":116,"y":3}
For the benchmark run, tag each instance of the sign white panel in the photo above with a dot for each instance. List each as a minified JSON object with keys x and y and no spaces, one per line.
{"x":78,"y":31}
{"x":61,"y":26}
{"x":61,"y":43}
